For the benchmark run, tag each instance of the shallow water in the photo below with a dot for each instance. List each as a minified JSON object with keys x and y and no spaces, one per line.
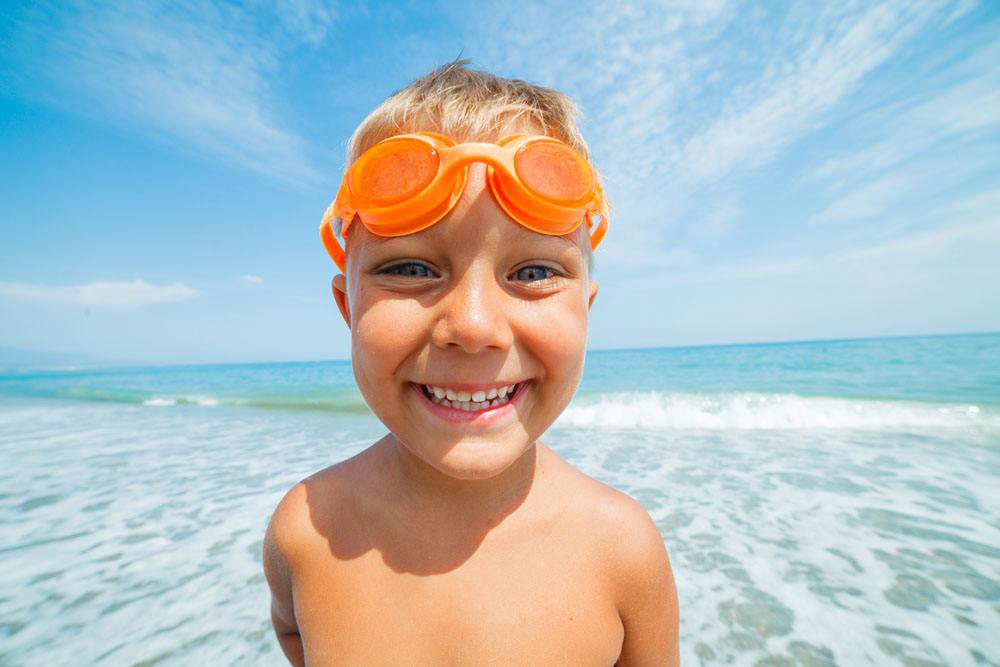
{"x":805,"y":527}
{"x":796,"y":547}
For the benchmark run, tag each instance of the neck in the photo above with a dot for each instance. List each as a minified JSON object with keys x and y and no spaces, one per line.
{"x":428,"y":493}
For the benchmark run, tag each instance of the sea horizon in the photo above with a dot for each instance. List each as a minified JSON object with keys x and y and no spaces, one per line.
{"x":71,"y":365}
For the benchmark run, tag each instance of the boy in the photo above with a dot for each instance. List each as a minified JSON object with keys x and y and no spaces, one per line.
{"x":459,"y":538}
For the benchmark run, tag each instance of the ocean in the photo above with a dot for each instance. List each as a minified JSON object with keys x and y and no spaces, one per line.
{"x":823,"y":503}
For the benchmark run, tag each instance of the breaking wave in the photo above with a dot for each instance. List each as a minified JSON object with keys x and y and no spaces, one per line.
{"x":771,"y":411}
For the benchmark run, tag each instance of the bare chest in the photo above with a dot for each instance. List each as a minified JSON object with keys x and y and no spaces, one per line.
{"x":517,"y":609}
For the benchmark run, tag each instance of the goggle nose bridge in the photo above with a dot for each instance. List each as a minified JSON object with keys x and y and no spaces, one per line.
{"x":461,"y":156}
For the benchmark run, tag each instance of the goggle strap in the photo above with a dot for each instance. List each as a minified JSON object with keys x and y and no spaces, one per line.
{"x":600,"y":231}
{"x":332,"y":247}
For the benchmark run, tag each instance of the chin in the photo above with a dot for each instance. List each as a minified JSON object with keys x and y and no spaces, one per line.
{"x":479,"y":461}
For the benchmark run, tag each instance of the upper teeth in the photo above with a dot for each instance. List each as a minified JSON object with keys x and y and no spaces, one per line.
{"x":476,"y":396}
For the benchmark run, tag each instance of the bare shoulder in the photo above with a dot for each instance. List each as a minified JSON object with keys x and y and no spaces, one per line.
{"x":289,"y":534}
{"x":298,"y":533}
{"x":304,"y":517}
{"x":618,"y":522}
{"x":639,"y":566}
{"x":289,"y":528}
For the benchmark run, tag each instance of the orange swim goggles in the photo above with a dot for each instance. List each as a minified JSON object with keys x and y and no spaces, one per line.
{"x":406,"y":183}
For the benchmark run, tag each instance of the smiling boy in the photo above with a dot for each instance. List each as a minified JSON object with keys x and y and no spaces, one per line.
{"x":459,"y":538}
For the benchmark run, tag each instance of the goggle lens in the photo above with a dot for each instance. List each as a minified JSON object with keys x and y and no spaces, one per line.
{"x":553,"y":171}
{"x":397,"y":171}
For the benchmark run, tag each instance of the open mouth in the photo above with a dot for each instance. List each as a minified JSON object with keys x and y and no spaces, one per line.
{"x":476,"y":401}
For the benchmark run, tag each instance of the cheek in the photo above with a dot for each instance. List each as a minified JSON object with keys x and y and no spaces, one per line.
{"x":559,"y":337}
{"x":385,"y":333}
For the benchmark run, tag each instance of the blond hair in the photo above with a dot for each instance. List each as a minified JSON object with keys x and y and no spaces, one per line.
{"x":468,"y":105}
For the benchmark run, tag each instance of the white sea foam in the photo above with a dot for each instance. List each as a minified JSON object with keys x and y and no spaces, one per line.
{"x":159,"y":402}
{"x":207,"y":401}
{"x":751,"y":410}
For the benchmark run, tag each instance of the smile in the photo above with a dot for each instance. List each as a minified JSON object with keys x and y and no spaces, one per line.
{"x":466,"y":404}
{"x":471,"y":401}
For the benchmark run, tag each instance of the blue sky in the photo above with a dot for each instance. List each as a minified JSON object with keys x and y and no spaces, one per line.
{"x":778,"y":171}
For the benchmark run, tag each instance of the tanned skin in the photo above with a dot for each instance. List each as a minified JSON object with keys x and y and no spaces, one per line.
{"x":455,"y":541}
{"x":566,"y":572}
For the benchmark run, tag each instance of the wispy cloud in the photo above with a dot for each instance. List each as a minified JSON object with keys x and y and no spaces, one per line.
{"x":965,"y":226}
{"x":928,"y":150}
{"x":194,"y":70}
{"x":652,"y":85}
{"x":935,"y":241}
{"x":717,"y":219}
{"x":253,"y":280}
{"x":867,"y":200}
{"x":968,"y":228}
{"x":767,"y":114}
{"x":904,"y":132}
{"x":687,"y":102}
{"x":99,"y":294}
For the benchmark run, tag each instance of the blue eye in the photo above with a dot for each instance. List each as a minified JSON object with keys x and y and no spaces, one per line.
{"x":533,"y":273}
{"x":409,"y":270}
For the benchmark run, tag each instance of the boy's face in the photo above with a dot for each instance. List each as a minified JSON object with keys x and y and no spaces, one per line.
{"x":473,"y":303}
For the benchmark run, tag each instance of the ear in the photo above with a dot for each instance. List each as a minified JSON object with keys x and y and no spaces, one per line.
{"x":340,"y":296}
{"x":593,"y":293}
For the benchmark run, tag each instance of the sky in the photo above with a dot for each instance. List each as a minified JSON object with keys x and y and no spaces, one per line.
{"x":778,"y":171}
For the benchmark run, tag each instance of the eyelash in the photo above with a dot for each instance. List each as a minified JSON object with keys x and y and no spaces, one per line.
{"x":397,"y":271}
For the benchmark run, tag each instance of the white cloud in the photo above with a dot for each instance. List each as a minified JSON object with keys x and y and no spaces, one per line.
{"x":630,"y":65}
{"x":934,"y":241}
{"x":866,"y":201}
{"x":100,"y":294}
{"x":770,"y":113}
{"x":255,"y":280}
{"x":197,"y":71}
{"x":686,"y":101}
{"x":923,"y":127}
{"x":652,"y":77}
{"x":960,"y":9}
{"x":715,"y":221}
{"x":968,"y":228}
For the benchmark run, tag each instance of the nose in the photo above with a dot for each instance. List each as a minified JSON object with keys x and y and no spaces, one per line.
{"x":474,"y":314}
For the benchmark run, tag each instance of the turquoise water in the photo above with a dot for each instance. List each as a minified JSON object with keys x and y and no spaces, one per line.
{"x":823,"y":503}
{"x":933,"y":368}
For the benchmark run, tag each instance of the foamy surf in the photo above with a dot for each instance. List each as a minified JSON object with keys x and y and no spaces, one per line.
{"x":767,"y":411}
{"x":206,"y":401}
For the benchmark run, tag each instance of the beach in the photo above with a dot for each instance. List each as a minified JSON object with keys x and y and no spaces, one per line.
{"x":823,"y":503}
